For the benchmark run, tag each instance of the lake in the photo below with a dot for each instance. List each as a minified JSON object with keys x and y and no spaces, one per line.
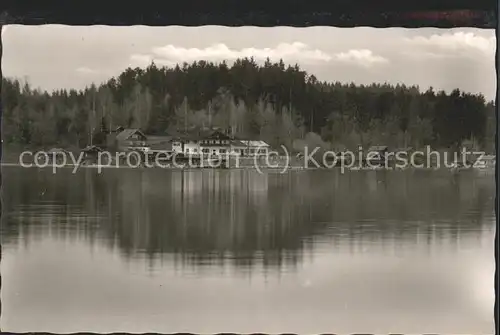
{"x":207,"y":251}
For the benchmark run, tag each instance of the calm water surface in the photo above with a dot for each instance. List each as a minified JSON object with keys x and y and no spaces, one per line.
{"x":238,"y":251}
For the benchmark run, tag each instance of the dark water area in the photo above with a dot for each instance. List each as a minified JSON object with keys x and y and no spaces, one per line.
{"x":209,"y":251}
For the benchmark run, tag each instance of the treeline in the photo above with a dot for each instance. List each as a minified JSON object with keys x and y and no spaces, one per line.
{"x":273,"y":102}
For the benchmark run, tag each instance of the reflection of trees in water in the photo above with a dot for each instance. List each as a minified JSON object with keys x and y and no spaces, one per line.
{"x":37,"y":203}
{"x":208,"y":216}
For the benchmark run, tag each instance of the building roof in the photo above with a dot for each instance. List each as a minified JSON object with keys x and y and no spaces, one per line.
{"x":219,"y":145}
{"x":217,"y":135}
{"x":211,"y":134}
{"x":56,"y":150}
{"x":238,"y":143}
{"x":254,"y":143}
{"x":202,"y":134}
{"x":126,"y":133}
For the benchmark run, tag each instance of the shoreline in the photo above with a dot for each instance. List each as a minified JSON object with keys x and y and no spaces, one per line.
{"x":271,"y":168}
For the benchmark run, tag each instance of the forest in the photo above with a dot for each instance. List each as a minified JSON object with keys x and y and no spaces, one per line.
{"x":278,"y":103}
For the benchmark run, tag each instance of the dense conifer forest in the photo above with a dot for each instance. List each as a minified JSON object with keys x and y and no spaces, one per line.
{"x":275,"y":102}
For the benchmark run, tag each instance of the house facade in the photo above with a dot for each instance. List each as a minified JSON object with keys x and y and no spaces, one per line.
{"x":207,"y":144}
{"x":91,"y":154}
{"x":127,"y":139}
{"x":217,"y":143}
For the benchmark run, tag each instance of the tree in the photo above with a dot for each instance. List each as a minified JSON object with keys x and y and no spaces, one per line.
{"x":274,"y":102}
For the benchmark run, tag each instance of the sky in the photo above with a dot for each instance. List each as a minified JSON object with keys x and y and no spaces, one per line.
{"x":56,"y":56}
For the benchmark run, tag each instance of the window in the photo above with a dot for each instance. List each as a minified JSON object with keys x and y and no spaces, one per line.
{"x":205,"y":151}
{"x":222,"y":151}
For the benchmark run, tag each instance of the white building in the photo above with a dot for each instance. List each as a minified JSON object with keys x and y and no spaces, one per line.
{"x":217,"y":143}
{"x":249,"y":148}
{"x":208,"y":144}
{"x":185,"y":146}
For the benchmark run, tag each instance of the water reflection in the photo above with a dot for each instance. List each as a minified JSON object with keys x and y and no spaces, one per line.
{"x":302,"y":252}
{"x":210,"y":217}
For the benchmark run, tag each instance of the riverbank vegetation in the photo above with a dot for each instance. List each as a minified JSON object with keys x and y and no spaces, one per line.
{"x":280,"y":104}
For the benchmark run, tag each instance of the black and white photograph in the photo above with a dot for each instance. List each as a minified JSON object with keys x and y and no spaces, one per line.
{"x":247,"y":179}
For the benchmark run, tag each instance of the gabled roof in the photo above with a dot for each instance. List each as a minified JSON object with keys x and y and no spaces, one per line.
{"x":217,"y":135}
{"x":254,"y":143}
{"x":202,"y":134}
{"x":126,"y":133}
{"x":56,"y":150}
{"x":238,"y":143}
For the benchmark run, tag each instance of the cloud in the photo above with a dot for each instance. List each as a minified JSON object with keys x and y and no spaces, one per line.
{"x":361,"y":57}
{"x":86,"y":70}
{"x":296,"y":52}
{"x":456,"y":44}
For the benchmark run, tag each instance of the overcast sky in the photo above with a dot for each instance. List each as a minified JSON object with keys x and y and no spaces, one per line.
{"x":55,"y":56}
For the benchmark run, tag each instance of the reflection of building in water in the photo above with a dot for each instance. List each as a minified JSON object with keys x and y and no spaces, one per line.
{"x":241,"y":217}
{"x":229,"y":216}
{"x":217,"y":184}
